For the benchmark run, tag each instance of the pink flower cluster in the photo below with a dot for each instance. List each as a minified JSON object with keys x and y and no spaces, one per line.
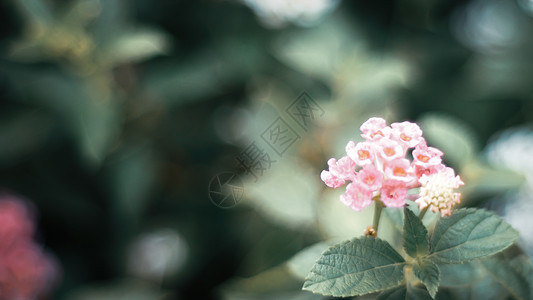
{"x":379,"y":167}
{"x":25,"y":271}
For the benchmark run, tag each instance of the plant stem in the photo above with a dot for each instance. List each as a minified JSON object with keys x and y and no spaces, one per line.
{"x":423,"y":212}
{"x":378,"y":207}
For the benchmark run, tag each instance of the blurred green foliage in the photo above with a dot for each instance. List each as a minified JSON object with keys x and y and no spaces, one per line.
{"x":115,"y":116}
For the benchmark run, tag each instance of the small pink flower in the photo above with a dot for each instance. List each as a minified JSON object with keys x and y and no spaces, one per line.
{"x":452,"y":180}
{"x":375,"y":129}
{"x":344,"y":168}
{"x":393,"y":193}
{"x":407,"y":133}
{"x":357,"y":196}
{"x":362,"y":153}
{"x":400,"y":169}
{"x":370,"y":177}
{"x":426,"y":156}
{"x":428,"y":170}
{"x":331,"y":180}
{"x":390,"y":150}
{"x":339,"y":172}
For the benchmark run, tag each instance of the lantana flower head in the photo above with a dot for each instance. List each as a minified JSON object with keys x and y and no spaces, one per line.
{"x":378,"y":168}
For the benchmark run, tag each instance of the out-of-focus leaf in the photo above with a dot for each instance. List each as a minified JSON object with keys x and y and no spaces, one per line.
{"x":338,"y":222}
{"x":318,"y":51}
{"x":486,"y":288}
{"x":356,"y":267}
{"x":82,"y":12}
{"x":301,"y":263}
{"x":286,"y":193}
{"x":403,"y":293}
{"x":514,"y":281}
{"x":112,"y":19}
{"x":450,"y":135}
{"x":469,"y":234}
{"x":457,"y":275}
{"x":36,"y":11}
{"x":336,"y":54}
{"x":131,"y":175}
{"x":395,"y":217}
{"x":296,"y":295}
{"x":204,"y":75}
{"x":98,"y":125}
{"x":21,"y":134}
{"x":180,"y":83}
{"x":89,"y":113}
{"x":270,"y":282}
{"x":120,"y":290}
{"x":132,"y":46}
{"x":415,"y":235}
{"x":483,"y":179}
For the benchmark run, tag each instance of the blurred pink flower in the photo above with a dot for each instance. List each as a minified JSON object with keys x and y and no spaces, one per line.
{"x":15,"y":221}
{"x":25,"y":271}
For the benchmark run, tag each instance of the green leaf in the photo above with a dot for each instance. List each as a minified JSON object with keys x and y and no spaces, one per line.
{"x":415,"y":235}
{"x":89,"y":112}
{"x":508,"y":276}
{"x":469,"y":234}
{"x":356,"y":267}
{"x":429,"y":274}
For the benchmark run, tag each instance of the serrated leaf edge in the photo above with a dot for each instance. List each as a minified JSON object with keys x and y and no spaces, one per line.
{"x":396,"y":284}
